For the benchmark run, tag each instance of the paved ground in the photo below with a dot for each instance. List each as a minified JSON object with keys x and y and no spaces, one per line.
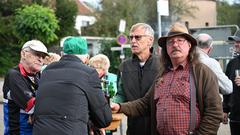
{"x":224,"y":129}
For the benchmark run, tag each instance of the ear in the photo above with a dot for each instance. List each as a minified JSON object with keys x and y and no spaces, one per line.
{"x":189,"y":44}
{"x":23,"y":54}
{"x":209,"y":50}
{"x":150,"y":41}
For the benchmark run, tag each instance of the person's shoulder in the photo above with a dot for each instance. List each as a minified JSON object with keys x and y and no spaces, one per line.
{"x":234,"y":60}
{"x":128,"y":60}
{"x":112,"y":76}
{"x":125,"y":62}
{"x":153,"y":56}
{"x":13,"y":71}
{"x":212,"y":61}
{"x":201,"y":68}
{"x":85,"y":68}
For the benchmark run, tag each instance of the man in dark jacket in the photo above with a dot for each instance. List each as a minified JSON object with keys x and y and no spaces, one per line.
{"x":231,"y":102}
{"x":70,"y":95}
{"x":137,"y":74}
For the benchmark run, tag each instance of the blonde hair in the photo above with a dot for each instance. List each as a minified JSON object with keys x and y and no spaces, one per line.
{"x":51,"y":58}
{"x":100,"y":61}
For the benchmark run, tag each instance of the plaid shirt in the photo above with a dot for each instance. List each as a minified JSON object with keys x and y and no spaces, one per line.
{"x":172,"y":98}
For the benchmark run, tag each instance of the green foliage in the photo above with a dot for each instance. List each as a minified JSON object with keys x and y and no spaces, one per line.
{"x":66,"y":12}
{"x":228,"y":14}
{"x":133,"y":11}
{"x":7,"y":59}
{"x":14,"y":30}
{"x":8,"y":6}
{"x":113,"y":55}
{"x":9,"y":47}
{"x":36,"y":22}
{"x":112,"y":12}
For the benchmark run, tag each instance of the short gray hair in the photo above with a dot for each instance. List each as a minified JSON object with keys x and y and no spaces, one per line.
{"x":148,"y":29}
{"x":204,"y":40}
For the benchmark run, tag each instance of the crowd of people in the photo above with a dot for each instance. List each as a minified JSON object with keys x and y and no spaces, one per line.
{"x":176,"y":92}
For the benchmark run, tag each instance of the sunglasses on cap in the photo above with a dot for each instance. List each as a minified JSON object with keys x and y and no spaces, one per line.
{"x":137,"y":37}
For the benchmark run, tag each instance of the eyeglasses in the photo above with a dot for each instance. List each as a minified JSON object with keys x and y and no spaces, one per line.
{"x":137,"y":37}
{"x":178,"y":41}
{"x":37,"y":54}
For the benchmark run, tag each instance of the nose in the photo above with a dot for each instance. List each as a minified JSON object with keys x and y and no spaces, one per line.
{"x":175,"y":43}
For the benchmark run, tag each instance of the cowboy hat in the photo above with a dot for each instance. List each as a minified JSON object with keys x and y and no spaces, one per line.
{"x":177,"y":29}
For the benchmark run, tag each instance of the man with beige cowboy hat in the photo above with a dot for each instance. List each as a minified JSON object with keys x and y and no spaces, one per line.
{"x":184,"y":98}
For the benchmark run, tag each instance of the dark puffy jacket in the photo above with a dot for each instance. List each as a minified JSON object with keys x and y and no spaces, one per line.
{"x":69,"y":95}
{"x":135,"y":82}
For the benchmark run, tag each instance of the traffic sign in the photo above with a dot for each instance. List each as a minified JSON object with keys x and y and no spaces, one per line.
{"x":121,"y":39}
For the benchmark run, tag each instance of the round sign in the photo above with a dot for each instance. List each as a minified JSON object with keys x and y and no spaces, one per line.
{"x":121,"y":39}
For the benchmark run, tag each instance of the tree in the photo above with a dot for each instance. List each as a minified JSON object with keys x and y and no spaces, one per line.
{"x":113,"y":55}
{"x":9,"y":47}
{"x":36,"y":22}
{"x":66,"y":12}
{"x":134,"y":11}
{"x":112,"y":12}
{"x":228,"y":14}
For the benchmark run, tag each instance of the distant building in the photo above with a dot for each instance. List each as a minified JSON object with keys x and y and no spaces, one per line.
{"x":84,"y":17}
{"x":204,"y":16}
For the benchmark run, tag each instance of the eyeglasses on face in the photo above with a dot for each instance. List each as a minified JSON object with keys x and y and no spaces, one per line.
{"x":37,"y":54}
{"x":178,"y":41}
{"x":137,"y":37}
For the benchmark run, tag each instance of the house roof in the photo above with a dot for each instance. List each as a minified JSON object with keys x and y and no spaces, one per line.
{"x":83,"y":9}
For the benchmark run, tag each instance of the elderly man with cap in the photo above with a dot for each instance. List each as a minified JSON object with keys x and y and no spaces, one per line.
{"x":69,"y":94}
{"x":231,"y":102}
{"x":205,"y":46}
{"x":19,"y":89}
{"x":184,"y":98}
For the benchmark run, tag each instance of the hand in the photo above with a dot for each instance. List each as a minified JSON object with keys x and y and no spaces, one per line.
{"x":237,"y":80}
{"x":30,"y":119}
{"x":115,"y":107}
{"x":225,"y":118}
{"x":99,"y":131}
{"x":102,"y":131}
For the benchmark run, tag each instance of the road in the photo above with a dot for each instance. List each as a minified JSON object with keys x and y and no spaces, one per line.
{"x":223,"y":130}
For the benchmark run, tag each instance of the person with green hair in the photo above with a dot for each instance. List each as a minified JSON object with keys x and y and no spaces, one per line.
{"x":69,"y":94}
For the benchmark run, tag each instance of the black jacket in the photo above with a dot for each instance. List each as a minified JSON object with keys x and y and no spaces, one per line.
{"x":231,"y":102}
{"x":135,"y":81}
{"x":69,"y":95}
